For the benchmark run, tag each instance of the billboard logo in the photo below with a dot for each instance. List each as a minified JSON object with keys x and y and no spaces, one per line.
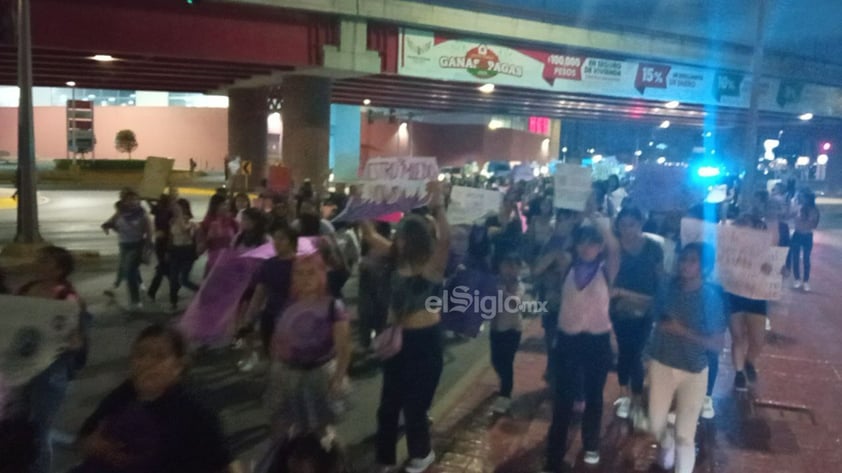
{"x":482,"y":63}
{"x":727,"y":85}
{"x":651,"y":76}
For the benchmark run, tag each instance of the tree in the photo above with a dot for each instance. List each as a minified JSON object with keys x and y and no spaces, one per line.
{"x":126,"y":142}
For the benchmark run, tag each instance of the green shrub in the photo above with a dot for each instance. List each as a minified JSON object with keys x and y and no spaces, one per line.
{"x":102,"y":164}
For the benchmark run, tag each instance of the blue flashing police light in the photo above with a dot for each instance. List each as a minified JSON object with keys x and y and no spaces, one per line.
{"x":708,"y":171}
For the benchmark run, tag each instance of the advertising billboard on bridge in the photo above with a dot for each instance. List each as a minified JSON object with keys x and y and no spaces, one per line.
{"x":436,"y":56}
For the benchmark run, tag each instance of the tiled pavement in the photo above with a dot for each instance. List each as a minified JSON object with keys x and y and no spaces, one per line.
{"x":790,"y":421}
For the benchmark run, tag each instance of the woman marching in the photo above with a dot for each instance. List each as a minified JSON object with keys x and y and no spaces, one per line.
{"x":411,"y":376}
{"x":749,"y":316}
{"x":311,"y":352}
{"x":691,"y":321}
{"x":641,"y":266}
{"x":806,"y":220}
{"x":150,"y":422}
{"x":216,"y":231}
{"x":582,"y":349}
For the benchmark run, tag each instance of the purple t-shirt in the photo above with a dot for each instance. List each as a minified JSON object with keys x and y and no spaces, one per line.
{"x":275,"y":274}
{"x":304,"y":333}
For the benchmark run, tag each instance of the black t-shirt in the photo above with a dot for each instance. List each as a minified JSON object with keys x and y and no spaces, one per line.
{"x":173,"y":434}
{"x":640,"y":272}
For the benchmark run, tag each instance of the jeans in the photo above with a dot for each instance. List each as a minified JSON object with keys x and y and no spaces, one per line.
{"x":180,"y":264}
{"x":801,"y":241}
{"x":687,"y":389}
{"x":504,"y":346}
{"x":130,"y":257}
{"x":410,"y":379}
{"x":632,"y":334}
{"x":45,"y":395}
{"x":162,"y":269}
{"x":580,"y":360}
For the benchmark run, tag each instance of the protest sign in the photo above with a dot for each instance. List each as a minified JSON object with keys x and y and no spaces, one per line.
{"x":280,"y":179}
{"x":661,"y":188}
{"x":572,"y":187}
{"x":156,"y":175}
{"x":746,"y":263}
{"x":33,"y":331}
{"x":607,"y":167}
{"x":467,"y":204}
{"x":523,"y":172}
{"x":389,"y":185}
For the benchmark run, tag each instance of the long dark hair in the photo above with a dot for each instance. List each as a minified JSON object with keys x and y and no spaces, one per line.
{"x":418,"y":242}
{"x":257,"y":235}
{"x":217,"y":202}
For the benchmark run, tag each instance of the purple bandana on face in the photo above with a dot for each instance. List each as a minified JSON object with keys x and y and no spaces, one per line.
{"x":584,"y":272}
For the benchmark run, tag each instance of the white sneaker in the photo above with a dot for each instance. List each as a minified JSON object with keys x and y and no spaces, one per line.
{"x":248,"y":363}
{"x":768,"y":324}
{"x":501,"y":405}
{"x":707,"y":409}
{"x":591,"y":458}
{"x":666,"y":454}
{"x":806,"y":287}
{"x":796,"y":284}
{"x":623,"y":406}
{"x":135,"y":306}
{"x":420,"y":465}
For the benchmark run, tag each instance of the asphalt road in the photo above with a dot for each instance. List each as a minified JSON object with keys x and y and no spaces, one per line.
{"x":72,"y":219}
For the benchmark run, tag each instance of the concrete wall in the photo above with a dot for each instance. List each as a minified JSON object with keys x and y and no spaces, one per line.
{"x":453,"y":145}
{"x":175,"y":132}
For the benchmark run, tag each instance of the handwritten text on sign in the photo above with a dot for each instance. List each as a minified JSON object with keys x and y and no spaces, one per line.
{"x":746,"y":263}
{"x":468,"y":204}
{"x":572,"y":187}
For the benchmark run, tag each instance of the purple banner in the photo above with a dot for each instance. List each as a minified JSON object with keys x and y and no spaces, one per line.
{"x":209,"y":320}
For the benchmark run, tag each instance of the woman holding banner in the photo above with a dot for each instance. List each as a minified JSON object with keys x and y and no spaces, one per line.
{"x":413,"y":364}
{"x":45,"y":393}
{"x":216,"y":231}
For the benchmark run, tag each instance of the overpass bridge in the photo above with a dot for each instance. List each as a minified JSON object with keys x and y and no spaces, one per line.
{"x":687,"y":62}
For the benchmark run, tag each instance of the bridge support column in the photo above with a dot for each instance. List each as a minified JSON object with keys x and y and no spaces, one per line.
{"x":306,"y":137}
{"x":247,"y":129}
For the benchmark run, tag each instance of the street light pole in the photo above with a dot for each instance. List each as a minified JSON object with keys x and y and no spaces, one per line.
{"x":73,"y":122}
{"x":750,"y":143}
{"x":27,"y":224}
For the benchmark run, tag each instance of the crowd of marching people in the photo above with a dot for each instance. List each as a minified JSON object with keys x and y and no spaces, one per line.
{"x":622,"y":293}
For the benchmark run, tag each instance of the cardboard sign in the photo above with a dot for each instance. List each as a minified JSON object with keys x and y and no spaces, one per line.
{"x":156,"y":176}
{"x":746,"y":263}
{"x":389,"y":185}
{"x":33,"y":331}
{"x":661,"y":188}
{"x":572,"y":187}
{"x":523,"y":172}
{"x":280,"y":179}
{"x":467,"y":204}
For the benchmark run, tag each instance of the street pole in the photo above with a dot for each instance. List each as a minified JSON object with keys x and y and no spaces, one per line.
{"x":750,"y":143}
{"x":73,"y":123}
{"x":27,"y":224}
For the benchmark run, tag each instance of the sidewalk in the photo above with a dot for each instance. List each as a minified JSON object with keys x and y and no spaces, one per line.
{"x":790,"y":421}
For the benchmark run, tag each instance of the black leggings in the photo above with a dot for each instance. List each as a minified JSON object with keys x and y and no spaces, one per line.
{"x":632,"y":334}
{"x":801,"y":241}
{"x":582,"y":357}
{"x":180,"y":264}
{"x":713,"y":370}
{"x":410,"y":379}
{"x":504,"y":346}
